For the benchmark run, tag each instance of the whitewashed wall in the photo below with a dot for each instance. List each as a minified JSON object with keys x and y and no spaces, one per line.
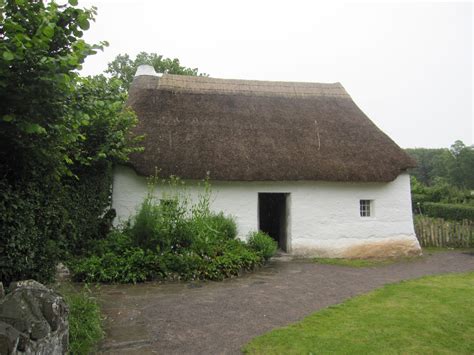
{"x":324,"y":216}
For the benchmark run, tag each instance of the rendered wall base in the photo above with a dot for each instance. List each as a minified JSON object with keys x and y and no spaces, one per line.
{"x":388,"y":247}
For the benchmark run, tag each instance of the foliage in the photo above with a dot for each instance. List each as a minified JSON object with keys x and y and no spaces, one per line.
{"x":263,"y":244}
{"x":32,"y":223}
{"x":222,"y":225}
{"x":44,"y":220}
{"x":430,"y":315}
{"x":456,"y":212}
{"x":59,"y":134}
{"x":104,"y":133}
{"x":124,"y":68}
{"x":40,"y":49}
{"x":137,"y":265}
{"x":170,"y":238}
{"x":86,"y":201}
{"x":161,"y":225}
{"x":440,"y":191}
{"x":85,"y":328}
{"x":454,"y":165}
{"x":132,"y":265}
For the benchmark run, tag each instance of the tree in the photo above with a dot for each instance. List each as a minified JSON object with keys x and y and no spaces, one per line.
{"x":104,"y":133}
{"x":124,"y":68}
{"x":40,"y":50}
{"x":430,"y":163}
{"x":461,"y":169}
{"x":59,"y":134}
{"x":454,"y":166}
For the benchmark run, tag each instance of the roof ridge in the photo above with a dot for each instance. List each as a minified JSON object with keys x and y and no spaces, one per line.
{"x":199,"y":84}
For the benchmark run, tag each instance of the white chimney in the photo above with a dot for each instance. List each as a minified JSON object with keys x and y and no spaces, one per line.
{"x":146,"y":69}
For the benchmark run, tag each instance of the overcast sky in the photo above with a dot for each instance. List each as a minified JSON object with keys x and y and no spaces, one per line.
{"x":408,"y":66}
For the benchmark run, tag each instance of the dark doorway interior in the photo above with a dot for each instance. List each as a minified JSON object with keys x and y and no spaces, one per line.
{"x":272,"y":212}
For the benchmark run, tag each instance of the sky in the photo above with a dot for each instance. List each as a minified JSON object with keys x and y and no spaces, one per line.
{"x":408,"y":66}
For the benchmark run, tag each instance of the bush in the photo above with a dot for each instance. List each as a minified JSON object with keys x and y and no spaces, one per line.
{"x":127,"y":264}
{"x":447,"y":211}
{"x":131,"y":266}
{"x":86,"y":201}
{"x":45,"y":220}
{"x":263,"y":244}
{"x":161,"y":226}
{"x":32,"y":223}
{"x":418,"y":200}
{"x":224,"y":226}
{"x":173,"y":240}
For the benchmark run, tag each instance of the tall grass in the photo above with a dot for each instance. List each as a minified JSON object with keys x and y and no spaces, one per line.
{"x":85,"y":328}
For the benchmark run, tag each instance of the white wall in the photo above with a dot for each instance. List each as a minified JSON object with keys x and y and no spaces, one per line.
{"x":324,"y":216}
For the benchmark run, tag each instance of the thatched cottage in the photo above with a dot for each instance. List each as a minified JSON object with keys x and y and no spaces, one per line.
{"x":298,"y":160}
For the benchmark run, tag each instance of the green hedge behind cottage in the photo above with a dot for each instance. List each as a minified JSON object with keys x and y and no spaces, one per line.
{"x":455,"y":212}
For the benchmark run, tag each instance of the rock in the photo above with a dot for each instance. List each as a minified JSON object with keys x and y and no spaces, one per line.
{"x":9,"y":338}
{"x":62,"y":272}
{"x":33,"y":320}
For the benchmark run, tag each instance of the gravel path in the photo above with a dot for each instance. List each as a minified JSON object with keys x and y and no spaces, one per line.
{"x":220,"y":317}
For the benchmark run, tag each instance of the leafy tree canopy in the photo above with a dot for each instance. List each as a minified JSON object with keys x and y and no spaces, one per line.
{"x":124,"y":68}
{"x":103,"y":133}
{"x":454,"y":166}
{"x":40,"y":49}
{"x":50,"y":117}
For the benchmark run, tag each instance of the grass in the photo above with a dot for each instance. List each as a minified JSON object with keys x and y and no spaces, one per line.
{"x":355,"y":262}
{"x":85,"y":328}
{"x":431,"y":315}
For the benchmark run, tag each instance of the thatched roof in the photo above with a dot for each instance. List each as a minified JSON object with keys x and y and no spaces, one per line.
{"x":257,"y":130}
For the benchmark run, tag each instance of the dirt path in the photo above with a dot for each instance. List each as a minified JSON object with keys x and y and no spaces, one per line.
{"x":220,"y":317}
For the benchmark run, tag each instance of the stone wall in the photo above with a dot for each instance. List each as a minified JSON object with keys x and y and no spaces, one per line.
{"x":33,"y":320}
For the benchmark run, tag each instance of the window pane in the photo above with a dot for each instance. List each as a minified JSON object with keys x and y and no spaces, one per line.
{"x":365,"y":208}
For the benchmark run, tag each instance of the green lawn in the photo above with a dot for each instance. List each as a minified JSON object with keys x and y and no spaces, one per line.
{"x":432,"y":315}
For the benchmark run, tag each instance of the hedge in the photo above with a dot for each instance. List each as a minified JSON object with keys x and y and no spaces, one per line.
{"x":44,"y":220}
{"x":448,"y":211}
{"x":417,"y":200}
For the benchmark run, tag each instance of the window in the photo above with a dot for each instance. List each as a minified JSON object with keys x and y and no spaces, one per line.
{"x":366,"y":208}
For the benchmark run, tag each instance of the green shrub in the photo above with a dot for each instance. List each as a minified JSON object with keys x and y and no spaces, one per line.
{"x":449,"y":211}
{"x":263,"y":244}
{"x":417,"y":201}
{"x":130,"y":266}
{"x":161,"y":226}
{"x":173,"y":240}
{"x":237,"y":257}
{"x":31,"y":225}
{"x":86,"y":201}
{"x":117,"y":241}
{"x":224,"y":225}
{"x":144,"y":226}
{"x":136,"y":265}
{"x":45,"y":220}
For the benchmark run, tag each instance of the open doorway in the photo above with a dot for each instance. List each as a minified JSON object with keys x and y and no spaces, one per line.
{"x":273,"y":217}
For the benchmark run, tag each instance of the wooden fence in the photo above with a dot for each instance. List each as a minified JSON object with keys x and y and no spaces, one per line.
{"x":437,"y":232}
